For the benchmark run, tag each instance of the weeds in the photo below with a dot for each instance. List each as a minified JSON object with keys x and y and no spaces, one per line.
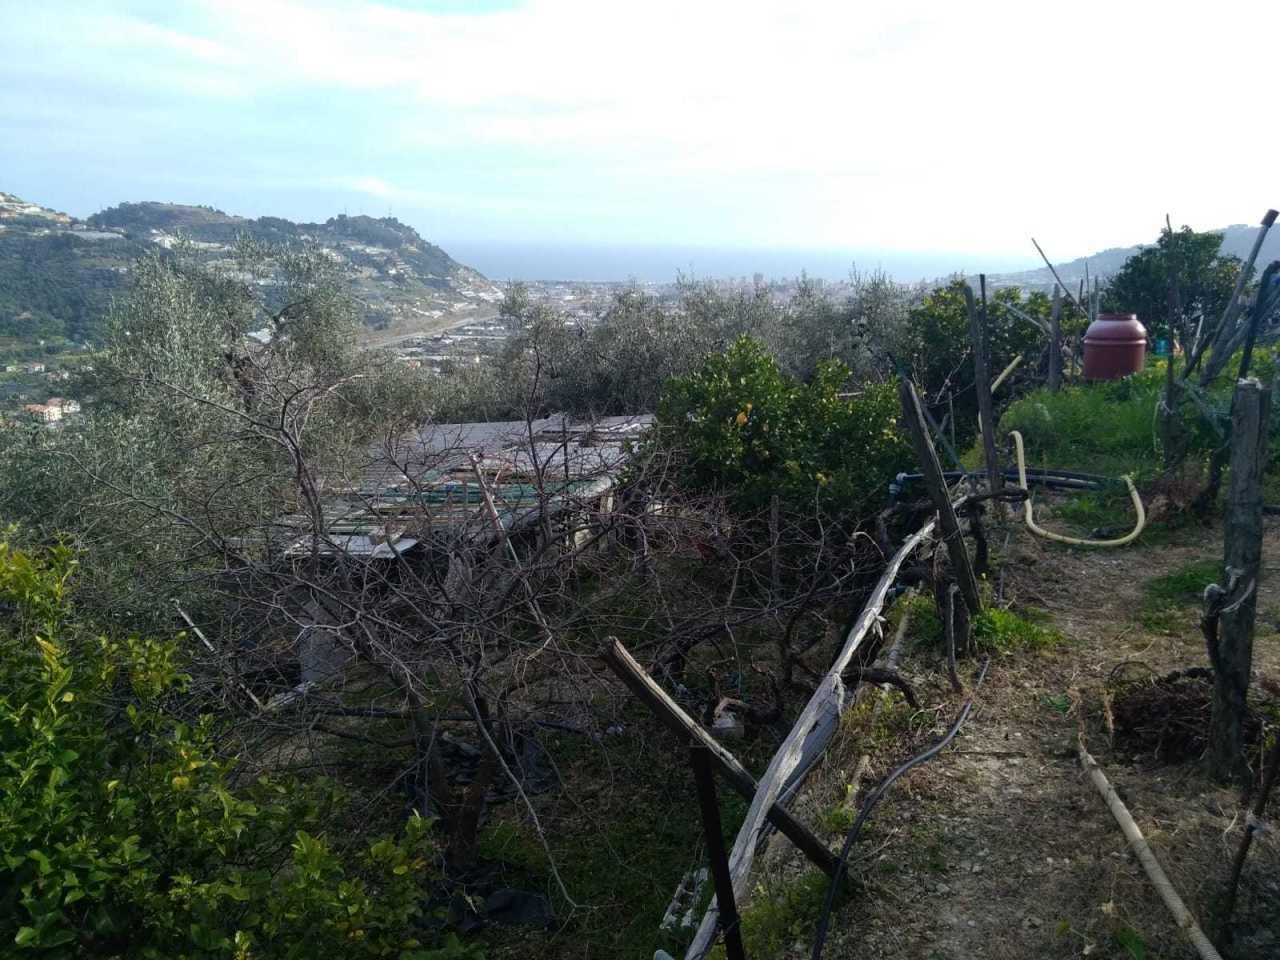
{"x":1003,"y":631}
{"x":780,"y":913}
{"x":1165,"y":599}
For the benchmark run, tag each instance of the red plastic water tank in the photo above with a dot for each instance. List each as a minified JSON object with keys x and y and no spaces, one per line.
{"x":1115,"y":345}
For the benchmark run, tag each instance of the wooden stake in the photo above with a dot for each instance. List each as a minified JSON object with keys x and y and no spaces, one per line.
{"x":670,"y":714}
{"x":982,"y":384}
{"x":701,"y":763}
{"x":1242,"y":555}
{"x":913,"y":417}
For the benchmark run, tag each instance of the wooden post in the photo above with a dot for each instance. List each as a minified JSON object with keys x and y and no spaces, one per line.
{"x":670,"y":714}
{"x":982,"y":383}
{"x":1242,"y":555}
{"x":725,"y":901}
{"x":913,"y":416}
{"x":1055,"y":341}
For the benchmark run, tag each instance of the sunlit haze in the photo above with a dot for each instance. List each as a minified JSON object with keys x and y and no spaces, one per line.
{"x":952,"y":130}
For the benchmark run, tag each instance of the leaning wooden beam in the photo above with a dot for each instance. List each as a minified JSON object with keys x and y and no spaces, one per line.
{"x":807,"y":739}
{"x":1074,"y":300}
{"x":934,"y":482}
{"x":1227,"y":325}
{"x":671,"y":715}
{"x":1159,"y":879}
{"x":1023,"y":315}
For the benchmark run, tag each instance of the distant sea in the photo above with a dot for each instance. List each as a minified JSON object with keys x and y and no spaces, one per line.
{"x":546,"y":262}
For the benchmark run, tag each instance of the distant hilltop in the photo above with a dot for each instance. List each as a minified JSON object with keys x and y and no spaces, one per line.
{"x":1237,"y":240}
{"x":58,"y":273}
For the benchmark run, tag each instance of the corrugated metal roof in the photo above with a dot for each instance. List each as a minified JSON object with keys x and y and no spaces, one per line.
{"x":425,"y":483}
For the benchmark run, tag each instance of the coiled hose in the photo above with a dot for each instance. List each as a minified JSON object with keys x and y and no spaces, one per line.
{"x":1063,"y":538}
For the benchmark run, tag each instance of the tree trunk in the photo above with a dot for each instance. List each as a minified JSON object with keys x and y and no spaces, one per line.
{"x":1242,"y":556}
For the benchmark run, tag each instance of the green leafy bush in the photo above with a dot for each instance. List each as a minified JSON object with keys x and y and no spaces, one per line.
{"x":123,"y":832}
{"x":747,"y":429}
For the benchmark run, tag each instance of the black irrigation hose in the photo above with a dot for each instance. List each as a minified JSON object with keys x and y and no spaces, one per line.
{"x":1055,"y":479}
{"x":873,"y":798}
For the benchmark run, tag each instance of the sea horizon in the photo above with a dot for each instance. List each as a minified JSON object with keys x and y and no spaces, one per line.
{"x":656,"y":263}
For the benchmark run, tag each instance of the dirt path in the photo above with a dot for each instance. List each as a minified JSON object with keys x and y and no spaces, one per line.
{"x":999,"y":849}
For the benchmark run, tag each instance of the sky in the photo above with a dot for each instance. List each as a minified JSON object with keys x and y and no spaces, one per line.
{"x":947,"y":130}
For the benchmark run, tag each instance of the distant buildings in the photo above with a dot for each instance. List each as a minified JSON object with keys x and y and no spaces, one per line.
{"x":51,"y":411}
{"x":42,"y":412}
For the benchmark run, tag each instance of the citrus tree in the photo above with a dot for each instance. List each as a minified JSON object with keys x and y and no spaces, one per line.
{"x":745,"y":429}
{"x":123,"y":831}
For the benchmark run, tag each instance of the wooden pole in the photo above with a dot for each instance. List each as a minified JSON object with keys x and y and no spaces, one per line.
{"x":1242,"y":555}
{"x":1055,"y":341}
{"x":670,"y":714}
{"x":982,"y":383}
{"x":701,"y":763}
{"x":934,"y":482}
{"x":1159,"y":879}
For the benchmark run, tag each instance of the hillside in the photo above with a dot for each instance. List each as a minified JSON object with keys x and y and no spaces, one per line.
{"x":1237,"y":240}
{"x":57,"y":273}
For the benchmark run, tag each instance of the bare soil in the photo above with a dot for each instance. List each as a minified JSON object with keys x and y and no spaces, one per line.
{"x":1000,"y":848}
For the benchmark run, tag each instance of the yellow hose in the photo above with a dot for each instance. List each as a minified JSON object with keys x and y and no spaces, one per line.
{"x":1076,"y":541}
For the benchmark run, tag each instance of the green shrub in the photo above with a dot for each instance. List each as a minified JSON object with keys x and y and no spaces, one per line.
{"x":746,"y":429}
{"x":123,"y":834}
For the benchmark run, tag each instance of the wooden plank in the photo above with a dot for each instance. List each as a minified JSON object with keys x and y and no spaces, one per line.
{"x":672,"y":716}
{"x":807,"y":739}
{"x":937,"y":487}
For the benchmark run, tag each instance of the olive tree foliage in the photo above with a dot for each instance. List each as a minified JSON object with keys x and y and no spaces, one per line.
{"x":234,"y":427}
{"x":195,"y":432}
{"x":619,"y":363}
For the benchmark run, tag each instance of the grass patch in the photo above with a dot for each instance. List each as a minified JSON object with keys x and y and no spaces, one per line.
{"x":1003,"y":631}
{"x":1109,"y":507}
{"x":926,"y":626}
{"x":995,"y":629}
{"x":1165,"y":599}
{"x":782,"y":912}
{"x":1104,"y":428}
{"x":623,"y":833}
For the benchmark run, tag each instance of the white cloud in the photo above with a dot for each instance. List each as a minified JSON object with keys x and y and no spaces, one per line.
{"x":926,"y":125}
